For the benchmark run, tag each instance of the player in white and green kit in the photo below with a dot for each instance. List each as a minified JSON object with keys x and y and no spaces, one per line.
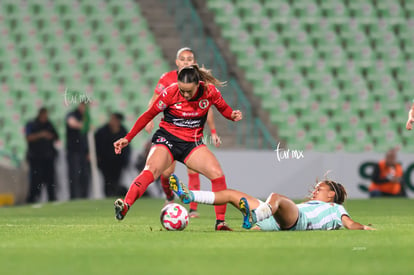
{"x":324,"y":210}
{"x":313,"y":215}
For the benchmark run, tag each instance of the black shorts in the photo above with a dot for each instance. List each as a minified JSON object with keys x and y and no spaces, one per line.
{"x":179,"y":149}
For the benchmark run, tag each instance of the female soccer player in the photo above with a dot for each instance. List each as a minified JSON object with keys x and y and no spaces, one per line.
{"x":185,"y":105}
{"x":185,"y":57}
{"x":324,"y":210}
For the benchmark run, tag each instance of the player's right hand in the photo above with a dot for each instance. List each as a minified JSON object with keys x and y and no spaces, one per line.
{"x":216,"y":140}
{"x":119,"y":144}
{"x":409,"y":124}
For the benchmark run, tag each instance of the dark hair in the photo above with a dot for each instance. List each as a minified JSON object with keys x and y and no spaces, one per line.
{"x":118,"y":116}
{"x":339,"y":189}
{"x":194,"y":74}
{"x":41,"y":111}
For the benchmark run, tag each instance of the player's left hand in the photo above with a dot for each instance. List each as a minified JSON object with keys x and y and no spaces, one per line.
{"x":409,"y":124}
{"x":216,"y":140}
{"x":236,"y":115}
{"x":366,"y":227}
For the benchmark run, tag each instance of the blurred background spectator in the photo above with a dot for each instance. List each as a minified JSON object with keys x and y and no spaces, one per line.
{"x":387,"y":178}
{"x":110,"y":164}
{"x":77,"y":152}
{"x":41,"y":136}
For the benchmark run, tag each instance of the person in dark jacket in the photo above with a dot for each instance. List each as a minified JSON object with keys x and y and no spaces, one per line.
{"x":110,"y":164}
{"x":41,"y":136}
{"x":77,"y":152}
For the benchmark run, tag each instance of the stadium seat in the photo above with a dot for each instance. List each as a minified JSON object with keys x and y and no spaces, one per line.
{"x":49,"y":47}
{"x":356,"y":50}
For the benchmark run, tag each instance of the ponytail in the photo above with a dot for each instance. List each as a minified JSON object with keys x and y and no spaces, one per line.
{"x":194,"y":74}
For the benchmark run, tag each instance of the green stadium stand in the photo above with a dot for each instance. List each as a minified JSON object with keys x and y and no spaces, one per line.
{"x":102,"y":49}
{"x":349,"y":62}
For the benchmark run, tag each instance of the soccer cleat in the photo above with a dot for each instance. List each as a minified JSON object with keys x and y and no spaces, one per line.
{"x":223,"y":226}
{"x":121,"y":208}
{"x":194,"y":214}
{"x":180,"y":189}
{"x":249,"y":217}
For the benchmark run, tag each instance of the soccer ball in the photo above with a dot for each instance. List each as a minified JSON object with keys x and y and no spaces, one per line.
{"x":174,"y":217}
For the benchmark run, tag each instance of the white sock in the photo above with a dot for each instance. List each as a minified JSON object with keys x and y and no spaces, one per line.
{"x":263,"y":212}
{"x":204,"y":197}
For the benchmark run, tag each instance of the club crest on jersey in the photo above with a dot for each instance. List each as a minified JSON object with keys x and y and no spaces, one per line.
{"x":203,"y":103}
{"x":178,"y":105}
{"x":160,"y":88}
{"x":162,"y":105}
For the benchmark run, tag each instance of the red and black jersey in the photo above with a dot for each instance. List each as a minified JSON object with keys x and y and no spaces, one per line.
{"x":183,"y":118}
{"x":166,"y":80}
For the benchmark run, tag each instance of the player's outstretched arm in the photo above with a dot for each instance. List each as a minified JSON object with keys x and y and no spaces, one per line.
{"x":225,"y":109}
{"x":353,"y":225}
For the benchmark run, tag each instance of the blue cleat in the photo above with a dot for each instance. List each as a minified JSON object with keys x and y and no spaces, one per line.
{"x":181,"y":190}
{"x":249,"y":217}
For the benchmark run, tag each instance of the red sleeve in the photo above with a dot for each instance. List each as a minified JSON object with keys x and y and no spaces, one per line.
{"x":162,"y":84}
{"x":158,"y":106}
{"x":220,"y":104}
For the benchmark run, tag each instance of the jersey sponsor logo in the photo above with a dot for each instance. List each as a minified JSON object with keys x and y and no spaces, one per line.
{"x":203,"y":103}
{"x":187,"y":123}
{"x":161,"y":105}
{"x":190,"y":114}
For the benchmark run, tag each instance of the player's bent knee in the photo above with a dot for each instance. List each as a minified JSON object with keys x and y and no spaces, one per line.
{"x":273,"y":197}
{"x":215,"y":173}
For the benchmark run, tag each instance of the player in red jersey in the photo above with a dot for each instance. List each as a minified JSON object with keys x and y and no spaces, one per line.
{"x":185,"y":57}
{"x":185,"y":105}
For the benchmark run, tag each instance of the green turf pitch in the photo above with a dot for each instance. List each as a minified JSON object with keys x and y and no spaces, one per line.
{"x":82,"y":237}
